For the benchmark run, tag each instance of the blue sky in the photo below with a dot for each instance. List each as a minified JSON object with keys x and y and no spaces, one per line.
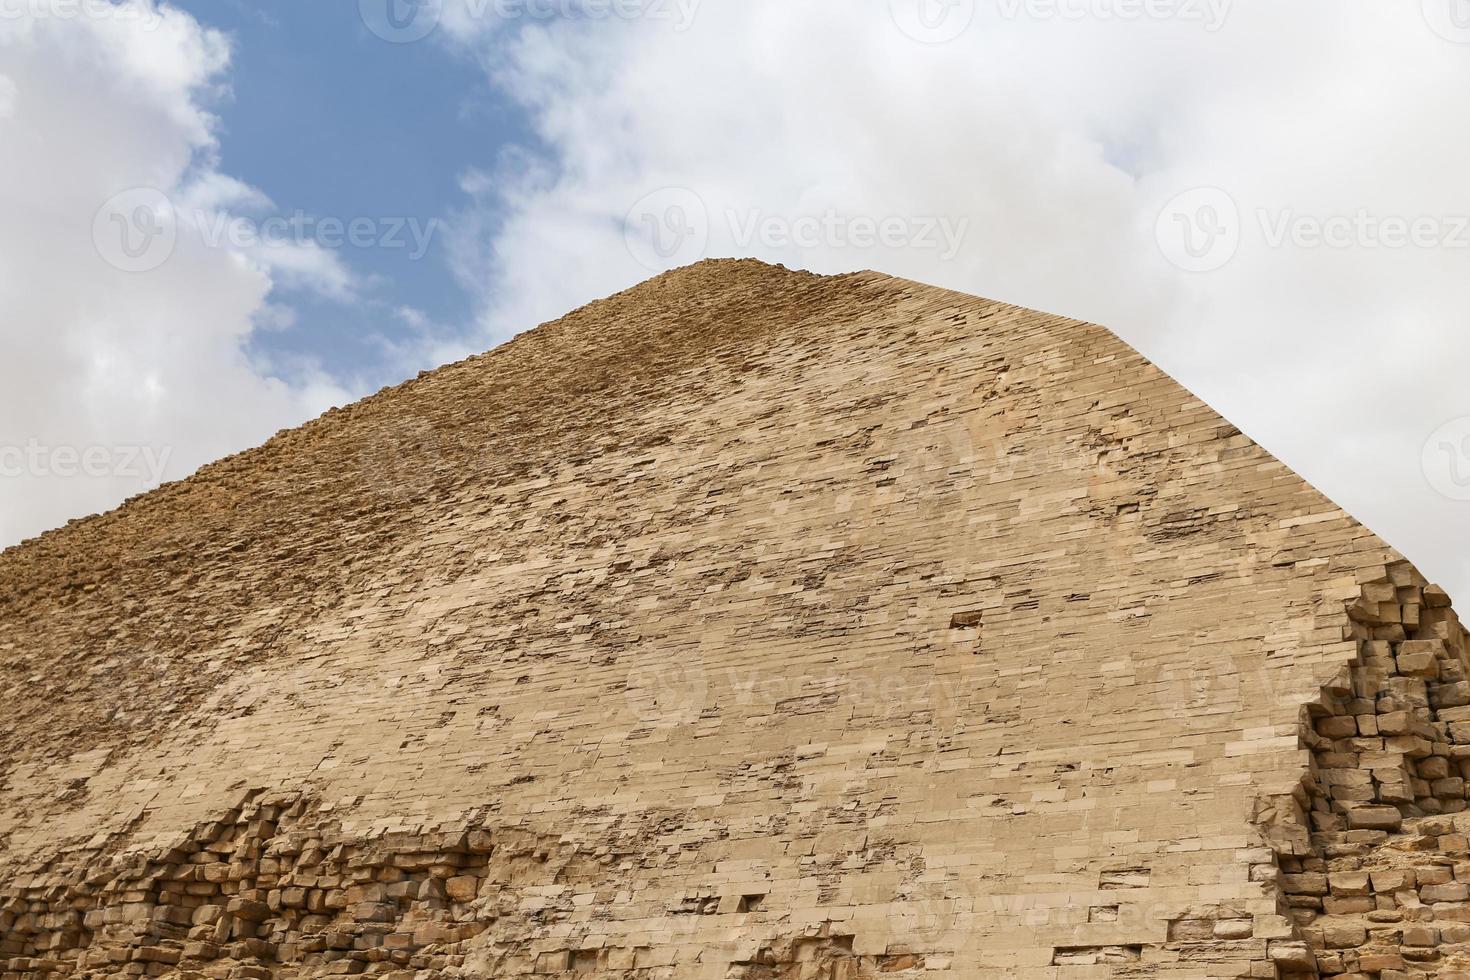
{"x":325,"y":117}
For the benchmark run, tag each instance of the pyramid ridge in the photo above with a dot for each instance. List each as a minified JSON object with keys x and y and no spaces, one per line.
{"x":748,"y":623}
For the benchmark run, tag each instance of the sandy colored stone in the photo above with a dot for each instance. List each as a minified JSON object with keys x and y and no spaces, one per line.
{"x":747,"y":624}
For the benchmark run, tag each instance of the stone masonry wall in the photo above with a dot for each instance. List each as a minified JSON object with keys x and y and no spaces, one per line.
{"x":1371,"y":865}
{"x":1374,"y":861}
{"x":275,"y":888}
{"x":747,"y":624}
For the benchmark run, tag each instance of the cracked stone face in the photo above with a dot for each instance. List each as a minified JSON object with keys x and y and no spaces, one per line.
{"x":748,"y":624}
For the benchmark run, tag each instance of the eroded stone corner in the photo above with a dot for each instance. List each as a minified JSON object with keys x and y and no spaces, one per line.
{"x":1371,"y":861}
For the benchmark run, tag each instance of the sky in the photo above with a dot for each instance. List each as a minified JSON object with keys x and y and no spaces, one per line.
{"x":224,"y":217}
{"x":324,"y":117}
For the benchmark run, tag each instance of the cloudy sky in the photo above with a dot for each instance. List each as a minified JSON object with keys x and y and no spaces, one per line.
{"x":224,"y":216}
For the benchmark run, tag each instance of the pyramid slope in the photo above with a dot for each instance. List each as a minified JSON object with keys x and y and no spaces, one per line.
{"x":173,"y":572}
{"x":743,"y":621}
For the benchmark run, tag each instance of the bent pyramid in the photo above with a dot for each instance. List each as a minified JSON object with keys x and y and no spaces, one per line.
{"x":747,"y":624}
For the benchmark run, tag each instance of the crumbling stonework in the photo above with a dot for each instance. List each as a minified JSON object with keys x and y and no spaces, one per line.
{"x":746,"y":624}
{"x":1374,"y":862}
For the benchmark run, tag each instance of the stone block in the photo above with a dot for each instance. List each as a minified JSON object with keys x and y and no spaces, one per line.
{"x":1375,"y":818}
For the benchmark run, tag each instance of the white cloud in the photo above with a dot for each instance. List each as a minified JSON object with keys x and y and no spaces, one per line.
{"x":415,"y":319}
{"x":213,"y":191}
{"x":306,"y":265}
{"x":228,"y":213}
{"x":103,"y":362}
{"x":1048,"y":134}
{"x":1058,"y":131}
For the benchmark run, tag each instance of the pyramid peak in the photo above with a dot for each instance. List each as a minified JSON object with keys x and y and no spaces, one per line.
{"x":770,"y":622}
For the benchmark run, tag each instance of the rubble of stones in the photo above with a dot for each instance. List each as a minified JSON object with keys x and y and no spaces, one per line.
{"x":1377,"y":884}
{"x":267,"y":891}
{"x":271,"y":890}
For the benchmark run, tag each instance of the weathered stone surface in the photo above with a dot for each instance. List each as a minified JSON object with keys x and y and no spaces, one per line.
{"x":749,"y":624}
{"x":1374,"y":817}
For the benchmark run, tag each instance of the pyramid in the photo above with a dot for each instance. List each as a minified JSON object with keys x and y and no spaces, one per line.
{"x":745,"y":624}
